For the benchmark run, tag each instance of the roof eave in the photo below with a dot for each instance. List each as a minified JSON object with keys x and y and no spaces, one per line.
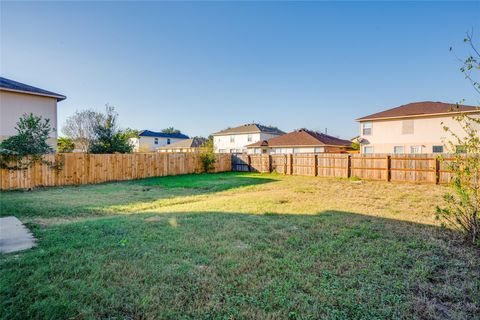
{"x":300,"y":146}
{"x":56,"y":96}
{"x":417,"y":115}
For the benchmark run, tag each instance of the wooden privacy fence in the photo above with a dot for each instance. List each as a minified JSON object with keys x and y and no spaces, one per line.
{"x":422,"y":168}
{"x":83,"y":168}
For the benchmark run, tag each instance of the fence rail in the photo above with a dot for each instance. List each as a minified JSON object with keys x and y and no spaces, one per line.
{"x":421,"y":168}
{"x":82,"y":168}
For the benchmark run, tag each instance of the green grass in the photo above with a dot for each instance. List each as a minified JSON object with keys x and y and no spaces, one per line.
{"x":237,"y":246}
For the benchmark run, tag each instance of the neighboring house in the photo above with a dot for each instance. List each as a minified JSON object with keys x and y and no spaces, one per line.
{"x":149,"y":141}
{"x":188,"y":145}
{"x":411,"y":128}
{"x":17,"y":99}
{"x":300,"y":141}
{"x":234,"y":140}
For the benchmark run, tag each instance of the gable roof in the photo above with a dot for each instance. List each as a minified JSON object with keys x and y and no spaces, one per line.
{"x":249,"y":128}
{"x":148,"y":133}
{"x":14,"y":86}
{"x":419,"y":109}
{"x":302,"y":138}
{"x":187,"y":143}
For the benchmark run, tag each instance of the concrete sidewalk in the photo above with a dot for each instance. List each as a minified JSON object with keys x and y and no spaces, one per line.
{"x":14,"y":236}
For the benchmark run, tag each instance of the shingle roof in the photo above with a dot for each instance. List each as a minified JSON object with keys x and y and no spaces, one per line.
{"x":188,"y":143}
{"x":148,"y":133}
{"x":419,"y":109}
{"x":301,"y":138}
{"x":10,"y":85}
{"x":249,"y":128}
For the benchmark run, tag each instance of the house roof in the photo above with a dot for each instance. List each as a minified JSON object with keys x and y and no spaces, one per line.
{"x":187,"y":143}
{"x":148,"y":133}
{"x":419,"y":109}
{"x":14,"y":86}
{"x":302,"y":138}
{"x":249,"y":128}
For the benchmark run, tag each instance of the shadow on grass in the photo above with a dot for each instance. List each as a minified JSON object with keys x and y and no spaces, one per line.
{"x":121,"y":196}
{"x":332,"y":265}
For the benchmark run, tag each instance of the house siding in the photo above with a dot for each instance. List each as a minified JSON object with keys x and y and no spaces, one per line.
{"x":222,"y":143}
{"x":13,"y":105}
{"x":147,"y":144}
{"x":427,"y":132}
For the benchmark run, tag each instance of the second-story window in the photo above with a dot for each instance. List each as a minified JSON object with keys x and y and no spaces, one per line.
{"x":249,"y":138}
{"x":407,"y":127}
{"x":367,"y":128}
{"x":232,"y":139}
{"x":156,"y":140}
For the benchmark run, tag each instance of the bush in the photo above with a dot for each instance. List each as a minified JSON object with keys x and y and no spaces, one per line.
{"x":65,"y":145}
{"x":207,"y":155}
{"x":28,"y":145}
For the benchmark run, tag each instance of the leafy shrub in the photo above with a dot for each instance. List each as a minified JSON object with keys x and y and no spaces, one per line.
{"x":28,"y":145}
{"x":65,"y":145}
{"x":207,"y":156}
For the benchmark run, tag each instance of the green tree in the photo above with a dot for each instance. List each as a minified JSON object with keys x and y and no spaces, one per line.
{"x":65,"y":145}
{"x":171,"y":130}
{"x":463,"y":201}
{"x":108,"y":137}
{"x":207,"y":155}
{"x":30,"y":140}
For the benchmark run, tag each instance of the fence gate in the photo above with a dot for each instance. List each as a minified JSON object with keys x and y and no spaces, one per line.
{"x":240,"y":162}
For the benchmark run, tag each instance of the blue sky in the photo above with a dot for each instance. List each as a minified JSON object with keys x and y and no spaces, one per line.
{"x":202,"y":67}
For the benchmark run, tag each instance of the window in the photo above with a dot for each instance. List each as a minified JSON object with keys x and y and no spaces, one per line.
{"x":156,"y":141}
{"x":398,"y":150}
{"x":460,"y":149}
{"x":319,"y":149}
{"x":367,"y":128}
{"x":232,"y":139}
{"x":415,"y":149}
{"x":367,"y":149}
{"x":437,"y":149}
{"x":407,"y":127}
{"x":249,"y":138}
{"x":258,"y":150}
{"x":168,"y":141}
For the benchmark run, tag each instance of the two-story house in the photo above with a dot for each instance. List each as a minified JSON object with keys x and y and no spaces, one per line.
{"x":412,"y":128}
{"x":149,"y":141}
{"x":235,"y":140}
{"x":17,"y":99}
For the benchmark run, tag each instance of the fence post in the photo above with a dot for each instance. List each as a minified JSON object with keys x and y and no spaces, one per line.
{"x":389,"y":168}
{"x":269,"y":157}
{"x":249,"y":163}
{"x":349,"y":166}
{"x":315,"y":166}
{"x":437,"y":170}
{"x":291,"y":164}
{"x":285,"y":164}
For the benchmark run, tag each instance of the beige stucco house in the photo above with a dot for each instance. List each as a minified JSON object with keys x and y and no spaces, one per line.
{"x":412,"y":128}
{"x":235,"y":140}
{"x":150,"y":141}
{"x":17,"y":99}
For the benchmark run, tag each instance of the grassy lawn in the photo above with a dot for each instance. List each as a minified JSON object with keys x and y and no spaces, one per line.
{"x":237,"y":246}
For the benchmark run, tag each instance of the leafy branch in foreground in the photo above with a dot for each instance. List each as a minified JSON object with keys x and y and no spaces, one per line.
{"x":463,"y":202}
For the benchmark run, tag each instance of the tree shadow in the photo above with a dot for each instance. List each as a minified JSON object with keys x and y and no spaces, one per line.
{"x":331,"y":265}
